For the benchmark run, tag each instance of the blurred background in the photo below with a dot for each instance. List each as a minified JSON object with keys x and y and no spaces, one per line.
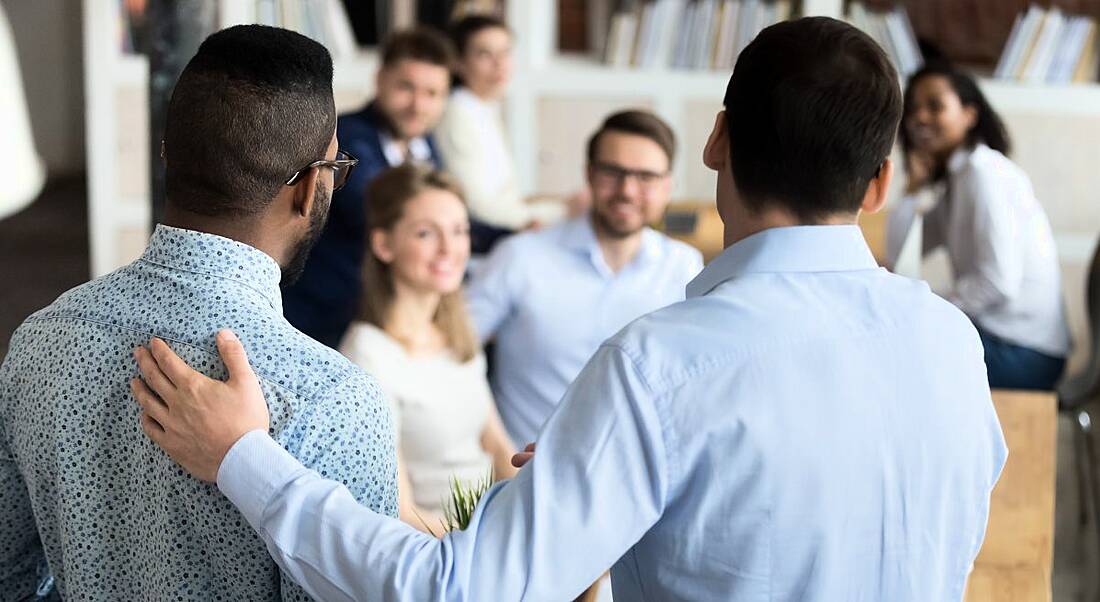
{"x":83,"y":84}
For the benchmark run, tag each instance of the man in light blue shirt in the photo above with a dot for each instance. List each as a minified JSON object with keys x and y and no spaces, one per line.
{"x":248,"y":184}
{"x":805,"y":426}
{"x":549,"y":298}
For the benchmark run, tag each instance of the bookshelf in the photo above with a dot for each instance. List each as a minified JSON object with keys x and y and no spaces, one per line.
{"x":555,"y":101}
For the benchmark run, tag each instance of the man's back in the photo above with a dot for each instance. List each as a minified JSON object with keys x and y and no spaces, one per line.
{"x":119,"y":520}
{"x":827,"y":426}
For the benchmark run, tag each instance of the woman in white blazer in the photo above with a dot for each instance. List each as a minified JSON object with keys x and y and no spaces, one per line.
{"x":981,"y":207}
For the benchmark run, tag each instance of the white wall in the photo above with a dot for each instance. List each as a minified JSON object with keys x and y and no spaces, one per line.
{"x":48,"y":41}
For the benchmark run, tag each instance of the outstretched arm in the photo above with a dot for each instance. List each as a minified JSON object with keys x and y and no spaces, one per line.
{"x":598,"y":483}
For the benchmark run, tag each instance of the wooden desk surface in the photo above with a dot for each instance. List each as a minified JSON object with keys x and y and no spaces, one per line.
{"x":1016,"y":559}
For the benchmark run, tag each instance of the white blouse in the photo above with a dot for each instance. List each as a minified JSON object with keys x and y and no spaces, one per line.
{"x":440,"y":408}
{"x":473,"y":148}
{"x":1007,"y":278}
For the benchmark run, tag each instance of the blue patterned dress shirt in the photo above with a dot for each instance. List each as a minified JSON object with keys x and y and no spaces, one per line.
{"x":81,"y":485}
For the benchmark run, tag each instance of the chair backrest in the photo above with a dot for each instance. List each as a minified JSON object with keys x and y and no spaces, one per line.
{"x":1085,"y":386}
{"x":1015,"y":562}
{"x":1092,"y":298}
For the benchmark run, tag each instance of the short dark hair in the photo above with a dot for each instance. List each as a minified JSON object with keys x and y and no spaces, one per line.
{"x":989,"y":129}
{"x":812,"y":109}
{"x":421,"y":44}
{"x":639,"y":123}
{"x":252,"y":106}
{"x":469,"y":26}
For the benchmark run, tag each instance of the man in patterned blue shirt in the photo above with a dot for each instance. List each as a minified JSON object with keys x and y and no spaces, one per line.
{"x":251,"y":161}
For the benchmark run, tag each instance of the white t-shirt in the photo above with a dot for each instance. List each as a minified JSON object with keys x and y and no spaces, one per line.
{"x":440,"y":407}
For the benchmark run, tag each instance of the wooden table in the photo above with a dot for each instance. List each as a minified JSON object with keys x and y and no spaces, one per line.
{"x":1016,"y":559}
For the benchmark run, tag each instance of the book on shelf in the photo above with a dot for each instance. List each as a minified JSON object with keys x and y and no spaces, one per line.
{"x":893,"y":31}
{"x":1048,"y":45}
{"x":679,"y":34}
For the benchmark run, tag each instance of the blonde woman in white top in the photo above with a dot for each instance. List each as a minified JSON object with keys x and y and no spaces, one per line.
{"x":471,"y":135}
{"x":414,"y":336}
{"x":1005,"y":266}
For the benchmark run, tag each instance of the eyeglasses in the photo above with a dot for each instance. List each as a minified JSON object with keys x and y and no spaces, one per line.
{"x":341,"y":168}
{"x":607,"y":174}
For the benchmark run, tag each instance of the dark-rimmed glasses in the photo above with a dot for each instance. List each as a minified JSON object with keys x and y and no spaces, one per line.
{"x":609,"y":174}
{"x":341,"y":168}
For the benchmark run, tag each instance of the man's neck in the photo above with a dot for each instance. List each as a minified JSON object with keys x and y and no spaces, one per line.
{"x":742,"y":227}
{"x":242,"y":230}
{"x":618,"y":251}
{"x":389,"y":130}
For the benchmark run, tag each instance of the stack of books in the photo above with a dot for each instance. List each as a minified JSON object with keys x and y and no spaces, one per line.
{"x":893,"y":31}
{"x":1049,"y":46}
{"x":685,"y":34}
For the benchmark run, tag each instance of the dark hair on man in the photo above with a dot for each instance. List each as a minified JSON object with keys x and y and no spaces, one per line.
{"x":421,"y":44}
{"x":989,"y":129}
{"x":252,"y":106}
{"x":812,"y":110}
{"x":469,"y":26}
{"x":639,"y":123}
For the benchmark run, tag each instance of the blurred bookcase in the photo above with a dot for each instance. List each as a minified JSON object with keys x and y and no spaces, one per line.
{"x":557,"y":99}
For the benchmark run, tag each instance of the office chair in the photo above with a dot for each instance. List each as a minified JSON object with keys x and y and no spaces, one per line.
{"x":1079,"y":397}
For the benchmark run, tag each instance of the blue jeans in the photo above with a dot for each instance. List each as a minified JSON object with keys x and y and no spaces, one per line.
{"x":1014,"y":367}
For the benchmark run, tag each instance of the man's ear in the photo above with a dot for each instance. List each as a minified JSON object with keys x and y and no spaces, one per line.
{"x":380,"y":245}
{"x":717,"y":150}
{"x":878,"y":188}
{"x":305,"y":193}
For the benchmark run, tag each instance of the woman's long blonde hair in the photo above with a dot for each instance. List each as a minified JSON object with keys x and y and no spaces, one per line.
{"x":385,"y":205}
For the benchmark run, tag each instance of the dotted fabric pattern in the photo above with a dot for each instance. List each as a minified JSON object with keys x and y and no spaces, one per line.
{"x":81,"y":483}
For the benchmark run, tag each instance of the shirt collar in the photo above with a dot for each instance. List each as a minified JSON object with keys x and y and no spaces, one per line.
{"x":788,"y":250}
{"x":203,"y":253}
{"x":960,"y":157}
{"x":419,"y":151}
{"x":580,"y":235}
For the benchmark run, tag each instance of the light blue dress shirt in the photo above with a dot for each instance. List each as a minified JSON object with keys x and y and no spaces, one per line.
{"x":82,"y":486}
{"x":805,"y":426}
{"x":549,"y":299}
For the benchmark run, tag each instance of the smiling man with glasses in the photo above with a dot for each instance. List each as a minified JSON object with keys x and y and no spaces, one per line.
{"x":251,"y":163}
{"x":551,"y":297}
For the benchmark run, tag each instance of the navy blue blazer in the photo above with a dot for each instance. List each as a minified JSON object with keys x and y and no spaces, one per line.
{"x":325,"y":299}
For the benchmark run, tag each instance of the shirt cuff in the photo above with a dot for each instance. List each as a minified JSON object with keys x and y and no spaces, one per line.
{"x":253,"y":471}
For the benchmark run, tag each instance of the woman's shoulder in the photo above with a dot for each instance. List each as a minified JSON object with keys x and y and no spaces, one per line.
{"x":463,"y":103}
{"x":982,"y":160}
{"x":982,"y":167}
{"x":365,"y":342}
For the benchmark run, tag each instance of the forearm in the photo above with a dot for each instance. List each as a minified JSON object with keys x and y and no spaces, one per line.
{"x":604,"y":464}
{"x":421,"y":519}
{"x":319,"y":535}
{"x":975,"y":294}
{"x":496,"y":442}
